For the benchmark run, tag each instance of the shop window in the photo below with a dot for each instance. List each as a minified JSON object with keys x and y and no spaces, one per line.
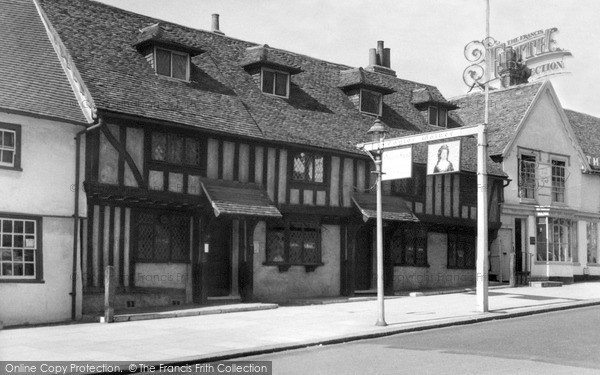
{"x":10,"y":146}
{"x":558,"y":181}
{"x":275,"y":82}
{"x":172,"y":64}
{"x":438,"y":116}
{"x":162,"y":237}
{"x":555,"y":239}
{"x":308,"y":167}
{"x":294,"y":243}
{"x":20,"y":249}
{"x":409,"y":246}
{"x":371,"y":102}
{"x":461,"y":251}
{"x":527,"y":179}
{"x":593,"y":252}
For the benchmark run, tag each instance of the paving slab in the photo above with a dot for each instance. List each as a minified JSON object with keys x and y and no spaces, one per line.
{"x":224,"y":336}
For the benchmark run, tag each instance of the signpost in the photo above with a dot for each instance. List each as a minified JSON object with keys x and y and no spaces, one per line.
{"x":391,"y":146}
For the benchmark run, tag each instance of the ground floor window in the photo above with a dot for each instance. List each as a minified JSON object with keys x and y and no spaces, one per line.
{"x":461,"y":250}
{"x":20,"y":248}
{"x":162,"y":237}
{"x":593,"y":252}
{"x":409,"y":246}
{"x":294,"y":242}
{"x":555,"y":239}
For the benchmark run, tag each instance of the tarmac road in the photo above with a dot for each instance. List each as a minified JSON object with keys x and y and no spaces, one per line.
{"x":563,"y":342}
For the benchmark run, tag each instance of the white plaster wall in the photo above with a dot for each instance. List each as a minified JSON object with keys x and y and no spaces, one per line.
{"x":272,"y":285}
{"x":49,"y":301}
{"x":437,"y":275}
{"x":45,"y":186}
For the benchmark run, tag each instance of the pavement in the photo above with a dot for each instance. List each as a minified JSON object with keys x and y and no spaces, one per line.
{"x":220,"y":336}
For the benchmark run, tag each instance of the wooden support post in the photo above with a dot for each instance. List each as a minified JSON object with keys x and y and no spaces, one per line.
{"x":109,"y":294}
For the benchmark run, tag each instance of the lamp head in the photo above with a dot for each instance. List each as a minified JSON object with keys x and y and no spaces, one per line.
{"x":377,"y":131}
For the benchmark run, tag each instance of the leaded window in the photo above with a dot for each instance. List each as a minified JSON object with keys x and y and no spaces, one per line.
{"x":461,"y":250}
{"x":527,"y":178}
{"x":308,"y":167}
{"x":593,"y":252}
{"x":558,"y":181}
{"x":19,"y":248}
{"x":371,"y":102}
{"x":294,"y":242}
{"x":175,"y":149}
{"x":409,"y":246}
{"x":162,"y":237}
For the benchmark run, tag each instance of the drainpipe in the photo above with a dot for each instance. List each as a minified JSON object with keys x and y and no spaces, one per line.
{"x":76,"y":217}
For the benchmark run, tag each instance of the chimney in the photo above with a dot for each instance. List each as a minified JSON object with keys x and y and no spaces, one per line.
{"x":215,"y":24}
{"x":379,"y":60}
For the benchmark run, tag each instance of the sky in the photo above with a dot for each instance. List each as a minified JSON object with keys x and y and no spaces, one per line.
{"x":426,"y":37}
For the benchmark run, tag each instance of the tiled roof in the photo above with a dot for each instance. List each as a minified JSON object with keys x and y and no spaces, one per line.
{"x":222,"y":96}
{"x":32,"y":79}
{"x":394,"y":208}
{"x":361,"y":78}
{"x":507,"y":107}
{"x":165,"y":35}
{"x":587,"y":131}
{"x":265,"y":55}
{"x":234,"y":198}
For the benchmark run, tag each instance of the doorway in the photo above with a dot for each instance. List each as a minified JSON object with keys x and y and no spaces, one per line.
{"x":364,"y":258}
{"x":218,"y":267}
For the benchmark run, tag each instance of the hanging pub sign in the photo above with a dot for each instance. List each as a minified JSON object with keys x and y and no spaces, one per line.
{"x":396,"y":163}
{"x":537,"y":50}
{"x":443,"y":157}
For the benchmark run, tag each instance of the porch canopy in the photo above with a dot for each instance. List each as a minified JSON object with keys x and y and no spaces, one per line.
{"x":239,"y":199}
{"x":394,"y":208}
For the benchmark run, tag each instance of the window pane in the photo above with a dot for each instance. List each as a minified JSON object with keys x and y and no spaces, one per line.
{"x":29,"y":227}
{"x":299,"y":166}
{"x":6,"y":255}
{"x":318,"y":169}
{"x":442,"y":117}
{"x":370,"y":102}
{"x":29,"y":269}
{"x":7,"y":226}
{"x":29,"y":255}
{"x":192,"y":151}
{"x":7,"y":269}
{"x":275,"y":245}
{"x":180,"y":63}
{"x":268,"y":78}
{"x":159,"y":146}
{"x":18,"y":269}
{"x":163,"y":62}
{"x":19,"y":226}
{"x":7,"y":157}
{"x":175,"y":149}
{"x":527,"y":182}
{"x":9,"y":139}
{"x":7,"y":240}
{"x":433,"y":116}
{"x":281,"y":84}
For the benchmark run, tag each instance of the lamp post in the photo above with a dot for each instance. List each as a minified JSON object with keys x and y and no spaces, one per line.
{"x":377,"y":132}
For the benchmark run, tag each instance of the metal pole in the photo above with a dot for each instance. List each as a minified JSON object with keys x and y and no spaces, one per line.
{"x":380,"y":299}
{"x":482,"y":204}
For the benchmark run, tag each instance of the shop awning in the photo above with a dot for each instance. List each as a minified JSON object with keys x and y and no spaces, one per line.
{"x":234,"y":198}
{"x":394,"y":208}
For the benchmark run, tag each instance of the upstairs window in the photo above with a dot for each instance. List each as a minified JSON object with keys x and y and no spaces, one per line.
{"x":558,"y":181}
{"x":275,"y":82}
{"x":172,"y":64}
{"x":176,"y":149}
{"x":308,"y":167}
{"x":438,"y":116}
{"x":527,"y":183}
{"x":10,"y":146}
{"x":370,"y":102}
{"x":414,"y":187}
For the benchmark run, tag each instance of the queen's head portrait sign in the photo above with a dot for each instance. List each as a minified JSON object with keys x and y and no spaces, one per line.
{"x":443,"y":157}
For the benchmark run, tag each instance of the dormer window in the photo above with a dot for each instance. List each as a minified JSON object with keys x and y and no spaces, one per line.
{"x":438,"y":116}
{"x":172,"y":64}
{"x":370,"y":102}
{"x":275,"y":82}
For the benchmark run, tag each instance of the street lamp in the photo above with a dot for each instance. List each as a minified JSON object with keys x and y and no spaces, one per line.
{"x":377,"y":132}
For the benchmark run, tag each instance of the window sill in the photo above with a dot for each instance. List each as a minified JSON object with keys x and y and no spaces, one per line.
{"x":527,"y":201}
{"x":284,"y":267}
{"x":593,"y":265}
{"x":16,"y":169}
{"x":22,"y":281}
{"x":554,"y":263}
{"x":461,"y":268}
